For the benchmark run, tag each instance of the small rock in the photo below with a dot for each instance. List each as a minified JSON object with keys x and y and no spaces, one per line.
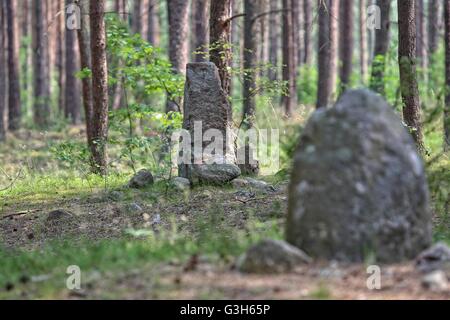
{"x":134,"y":207}
{"x":239,"y":183}
{"x":59,"y":214}
{"x":142,"y":179}
{"x":259,"y":184}
{"x":181,"y":184}
{"x":215,"y":173}
{"x":272,"y":256}
{"x":434,"y":258}
{"x":115,"y":196}
{"x":435,"y":281}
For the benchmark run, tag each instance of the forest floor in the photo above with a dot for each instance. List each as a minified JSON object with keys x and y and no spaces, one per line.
{"x":161,"y":243}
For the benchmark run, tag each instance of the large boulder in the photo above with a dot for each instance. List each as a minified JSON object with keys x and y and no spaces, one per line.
{"x":358,"y":186}
{"x":208,"y":120}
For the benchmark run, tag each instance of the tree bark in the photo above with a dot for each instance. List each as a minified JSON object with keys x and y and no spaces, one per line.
{"x":84,"y":46}
{"x":136,"y":17}
{"x":178,"y":15}
{"x":72,"y":98}
{"x":363,"y":56}
{"x":333,"y":6}
{"x":153,"y":28}
{"x":274,"y":41}
{"x":382,"y":41}
{"x":220,"y":40}
{"x":296,"y":21}
{"x":60,"y":55}
{"x":14,"y":109}
{"x":346,"y":42}
{"x":328,"y":36}
{"x":99,"y":85}
{"x":289,"y":67}
{"x":200,"y":8}
{"x":41,"y":81}
{"x":250,"y":50}
{"x":3,"y":124}
{"x":434,"y":23}
{"x":408,"y":74}
{"x":308,"y":25}
{"x":447,"y":76}
{"x":422,"y":41}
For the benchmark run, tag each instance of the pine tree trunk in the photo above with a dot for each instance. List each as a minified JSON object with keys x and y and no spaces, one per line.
{"x":333,"y":6}
{"x":220,"y":40}
{"x":250,"y":51}
{"x":296,"y":21}
{"x":447,"y":76}
{"x":407,"y":65}
{"x":136,"y":21}
{"x":84,"y":46}
{"x":382,"y":40}
{"x":422,"y":42}
{"x":2,"y":74}
{"x":153,"y":28}
{"x":72,"y":98}
{"x":363,"y":56}
{"x":328,"y":37}
{"x":308,"y":25}
{"x":434,"y":19}
{"x":41,"y":76}
{"x":14,"y":109}
{"x":274,"y":41}
{"x":346,"y":42}
{"x":60,"y":56}
{"x":178,"y":15}
{"x":99,"y":85}
{"x":290,"y":100}
{"x":200,"y":8}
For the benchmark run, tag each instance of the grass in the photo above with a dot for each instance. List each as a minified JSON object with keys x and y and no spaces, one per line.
{"x":43,"y":180}
{"x":212,"y":238}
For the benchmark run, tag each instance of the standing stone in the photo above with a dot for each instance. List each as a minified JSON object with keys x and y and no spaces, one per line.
{"x":358,"y":187}
{"x":207,"y":110}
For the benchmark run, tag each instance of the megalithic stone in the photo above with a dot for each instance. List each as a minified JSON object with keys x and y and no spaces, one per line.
{"x":208,"y":119}
{"x":358,"y":187}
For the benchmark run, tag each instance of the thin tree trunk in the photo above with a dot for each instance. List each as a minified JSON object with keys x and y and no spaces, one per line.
{"x":447,"y":76}
{"x":99,"y":85}
{"x":72,"y":98}
{"x":200,"y":8}
{"x":60,"y":56}
{"x":14,"y":109}
{"x":178,"y":15}
{"x":136,"y":20}
{"x":328,"y":15}
{"x":220,"y":40}
{"x":2,"y":74}
{"x":308,"y":24}
{"x":408,"y":74}
{"x":382,"y":41}
{"x":363,"y":56}
{"x":346,"y":42}
{"x":289,"y":100}
{"x":84,"y":46}
{"x":250,"y":50}
{"x":121,"y":8}
{"x":274,"y":41}
{"x":434,"y":19}
{"x":41,"y":75}
{"x":422,"y":43}
{"x":153,"y":31}
{"x":334,"y":43}
{"x":296,"y":22}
